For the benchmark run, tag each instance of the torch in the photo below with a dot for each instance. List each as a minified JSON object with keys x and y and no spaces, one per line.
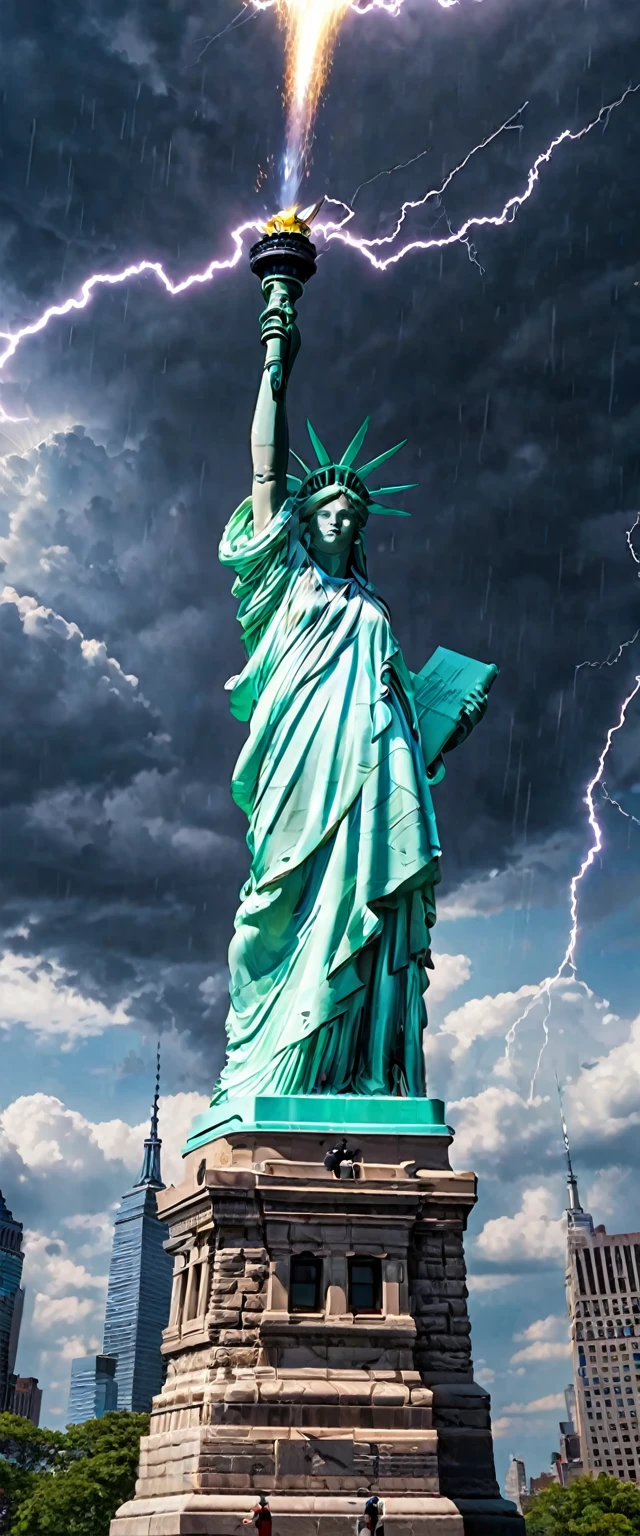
{"x":284,"y":260}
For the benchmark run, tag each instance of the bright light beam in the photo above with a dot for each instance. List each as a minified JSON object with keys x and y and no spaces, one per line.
{"x":311,"y":28}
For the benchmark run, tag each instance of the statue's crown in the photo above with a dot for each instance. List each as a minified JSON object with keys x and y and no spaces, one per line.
{"x":343,"y":476}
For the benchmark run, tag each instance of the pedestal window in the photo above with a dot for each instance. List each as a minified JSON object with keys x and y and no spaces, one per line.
{"x":305,"y":1283}
{"x":365,"y":1285}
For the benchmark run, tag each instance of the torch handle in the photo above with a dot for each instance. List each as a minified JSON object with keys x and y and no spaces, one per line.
{"x":278,"y":329}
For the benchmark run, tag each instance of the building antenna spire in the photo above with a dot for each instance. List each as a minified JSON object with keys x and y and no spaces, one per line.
{"x":150,"y":1171}
{"x":156,"y":1096}
{"x":572,"y":1182}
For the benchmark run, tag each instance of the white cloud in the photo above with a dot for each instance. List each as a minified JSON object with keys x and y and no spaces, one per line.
{"x":484,"y":1122}
{"x":97,"y":1225}
{"x":531,"y":879}
{"x":501,"y":1427}
{"x":55,"y":1269}
{"x":50,"y":1311}
{"x":544,"y":1339}
{"x":607,"y":1096}
{"x":44,"y":1132}
{"x":549,"y":1404}
{"x":39,"y":621}
{"x":478,"y":1284}
{"x":485,"y":1376}
{"x":557,"y":1350}
{"x":449,"y":973}
{"x":40,"y":995}
{"x":67,"y":1296}
{"x":534,"y":1233}
{"x":483,"y":1017}
{"x":74,"y":1348}
{"x":542,"y":1328}
{"x":521,"y":1418}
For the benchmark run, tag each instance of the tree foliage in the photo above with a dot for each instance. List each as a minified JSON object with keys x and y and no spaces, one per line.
{"x":600,"y":1506}
{"x":68,"y":1484}
{"x":25,"y":1453}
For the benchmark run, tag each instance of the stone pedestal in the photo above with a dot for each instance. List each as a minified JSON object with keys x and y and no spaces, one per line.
{"x":317,"y":1392}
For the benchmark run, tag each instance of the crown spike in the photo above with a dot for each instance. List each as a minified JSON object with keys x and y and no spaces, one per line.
{"x":389,"y":490}
{"x":320,"y":451}
{"x":381,"y":459}
{"x":300,"y":461}
{"x":355,"y":445}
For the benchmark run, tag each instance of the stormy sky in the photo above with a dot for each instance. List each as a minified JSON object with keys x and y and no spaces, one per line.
{"x":151,"y":128}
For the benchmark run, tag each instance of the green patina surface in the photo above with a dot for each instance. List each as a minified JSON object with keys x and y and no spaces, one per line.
{"x":330,"y":957}
{"x":335,"y":1115}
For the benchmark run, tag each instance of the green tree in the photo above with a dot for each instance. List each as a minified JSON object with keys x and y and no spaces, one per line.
{"x":91,"y":1471}
{"x":25,"y":1453}
{"x":600,"y":1506}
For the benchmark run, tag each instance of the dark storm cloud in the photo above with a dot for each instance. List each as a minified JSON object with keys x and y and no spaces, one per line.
{"x":125,"y":133}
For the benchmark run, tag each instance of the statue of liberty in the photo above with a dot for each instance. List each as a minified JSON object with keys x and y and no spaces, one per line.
{"x":328,"y":964}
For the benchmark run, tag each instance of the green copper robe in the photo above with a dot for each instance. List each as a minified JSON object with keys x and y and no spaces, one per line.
{"x":327,"y":961}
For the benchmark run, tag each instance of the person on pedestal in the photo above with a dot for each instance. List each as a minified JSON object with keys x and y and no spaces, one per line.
{"x":332,"y":936}
{"x":260,"y":1517}
{"x":374,"y":1515}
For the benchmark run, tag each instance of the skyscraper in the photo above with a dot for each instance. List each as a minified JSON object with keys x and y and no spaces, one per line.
{"x":25,"y":1398}
{"x":515,"y":1483}
{"x":140,"y":1276}
{"x":603,"y":1299}
{"x":93,"y":1390}
{"x":11,"y":1262}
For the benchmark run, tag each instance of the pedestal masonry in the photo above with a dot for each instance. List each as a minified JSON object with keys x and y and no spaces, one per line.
{"x":318,"y":1345}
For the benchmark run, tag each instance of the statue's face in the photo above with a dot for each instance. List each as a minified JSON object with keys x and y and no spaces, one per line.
{"x":332,"y":527}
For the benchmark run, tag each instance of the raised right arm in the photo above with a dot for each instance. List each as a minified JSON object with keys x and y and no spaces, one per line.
{"x":269,"y":430}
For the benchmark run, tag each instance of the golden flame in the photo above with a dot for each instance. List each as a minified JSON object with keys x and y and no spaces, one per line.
{"x":311,"y":27}
{"x":292,"y":221}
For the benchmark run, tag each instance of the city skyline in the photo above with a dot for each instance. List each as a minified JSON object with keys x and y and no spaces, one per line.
{"x":508,"y":1426}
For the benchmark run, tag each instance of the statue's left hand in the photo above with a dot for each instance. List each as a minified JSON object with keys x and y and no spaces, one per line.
{"x":475,"y":705}
{"x":473,"y":708}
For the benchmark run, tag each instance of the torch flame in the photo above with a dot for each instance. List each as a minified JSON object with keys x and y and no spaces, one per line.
{"x":293,"y":221}
{"x":311,"y":27}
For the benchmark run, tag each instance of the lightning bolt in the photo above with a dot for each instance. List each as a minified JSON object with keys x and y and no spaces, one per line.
{"x":111,"y":279}
{"x":567,"y":969}
{"x":331,"y":231}
{"x":367,"y":248}
{"x":611,"y":801}
{"x":630,"y":533}
{"x":4,"y":416}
